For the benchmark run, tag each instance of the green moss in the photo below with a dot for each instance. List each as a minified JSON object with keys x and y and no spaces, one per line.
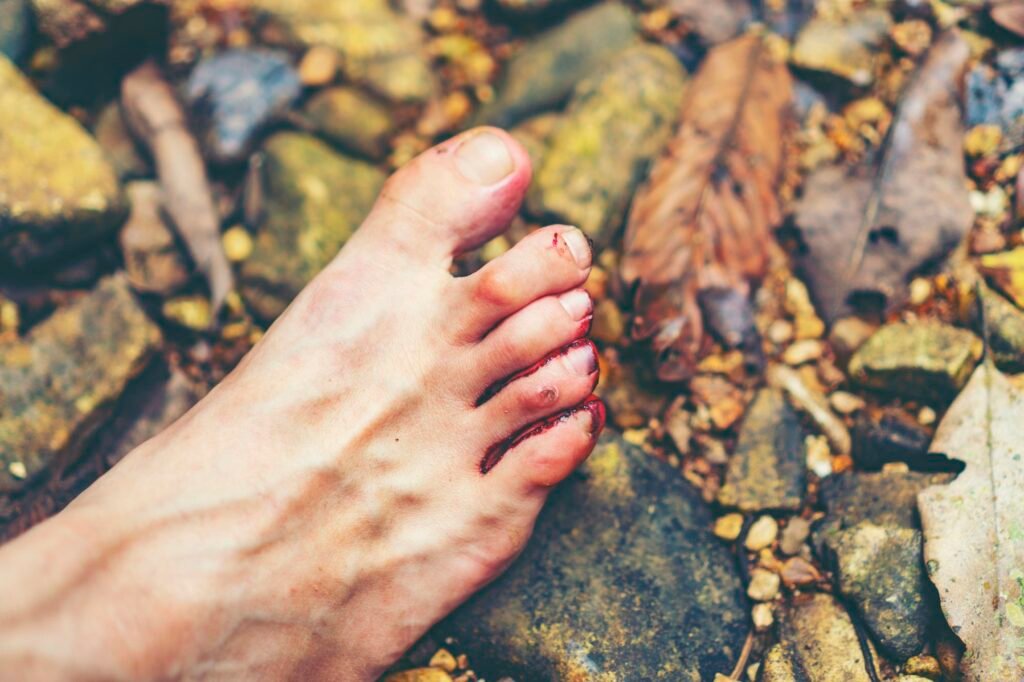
{"x":314,"y":199}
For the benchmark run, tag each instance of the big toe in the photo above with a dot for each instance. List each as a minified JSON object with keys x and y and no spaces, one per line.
{"x":453,"y":197}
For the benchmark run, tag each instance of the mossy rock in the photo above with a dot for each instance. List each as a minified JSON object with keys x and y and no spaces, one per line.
{"x":313,"y":200}
{"x":616,"y":121}
{"x":60,"y":382}
{"x":58,"y":191}
{"x":351,"y":119}
{"x":377,"y":46}
{"x":543,"y":73}
{"x":622,"y":580}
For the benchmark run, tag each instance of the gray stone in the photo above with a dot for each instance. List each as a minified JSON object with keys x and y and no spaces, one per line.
{"x":313,"y":200}
{"x":235,"y":94}
{"x":15,"y":28}
{"x":544,"y":71}
{"x":927,"y":361}
{"x":61,"y":381}
{"x":880,"y":569}
{"x":621,"y":580}
{"x":768,"y":470}
{"x":616,"y":121}
{"x":80,"y":200}
{"x":1005,"y":325}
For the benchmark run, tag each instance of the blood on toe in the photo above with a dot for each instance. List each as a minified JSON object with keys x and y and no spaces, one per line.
{"x":494,"y":388}
{"x":496,"y":452}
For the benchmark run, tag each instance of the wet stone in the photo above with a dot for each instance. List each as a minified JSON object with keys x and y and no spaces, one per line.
{"x":313,"y":200}
{"x":352,"y":120}
{"x":635,"y":588}
{"x":818,"y":643}
{"x":543,"y":73}
{"x":79,"y":203}
{"x":891,"y":436}
{"x":378,"y":47}
{"x":235,"y":94}
{"x":15,"y":28}
{"x":152,"y":257}
{"x":60,"y":382}
{"x":995,"y":95}
{"x":881,"y":570}
{"x":928,"y":361}
{"x":844,"y":49}
{"x":767,"y":471}
{"x":1005,"y":325}
{"x":615,"y":122}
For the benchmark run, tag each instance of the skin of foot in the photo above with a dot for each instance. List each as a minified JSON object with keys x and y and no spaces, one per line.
{"x":380,"y":455}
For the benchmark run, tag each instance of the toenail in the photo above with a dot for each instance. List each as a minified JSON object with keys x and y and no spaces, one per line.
{"x":484,"y":159}
{"x":579,"y":246}
{"x":576,"y":303}
{"x":591,"y":416}
{"x":582,"y":359}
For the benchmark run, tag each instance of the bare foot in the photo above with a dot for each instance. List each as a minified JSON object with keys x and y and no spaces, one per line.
{"x":365,"y":469}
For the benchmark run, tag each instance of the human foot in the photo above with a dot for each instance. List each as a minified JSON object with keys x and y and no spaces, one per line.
{"x":368,"y":466}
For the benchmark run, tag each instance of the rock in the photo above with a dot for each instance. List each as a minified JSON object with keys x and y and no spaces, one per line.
{"x":813,"y":403}
{"x":818,"y":644}
{"x":803,"y":352}
{"x":616,"y":121}
{"x":80,"y":201}
{"x":1005,"y":326}
{"x":235,"y":94}
{"x":729,"y":316}
{"x":635,"y":588}
{"x":66,"y":22}
{"x":762,"y":534}
{"x":728,"y":527}
{"x":535,"y":135}
{"x":844,"y":49}
{"x":351,"y":119}
{"x":118,"y":144}
{"x":61,"y":380}
{"x":880,"y":569}
{"x":767,"y":471}
{"x":712,"y":22}
{"x":313,"y":200}
{"x":527,"y":6}
{"x":15,"y":28}
{"x":847,"y":335}
{"x":544,"y":71}
{"x":846,"y":403}
{"x":318,"y":67}
{"x":995,"y":95}
{"x":923,"y":666}
{"x":444,"y":660}
{"x":891,"y":436}
{"x":764,"y":585}
{"x":799,"y":572}
{"x":724,"y":402}
{"x":762,"y":616}
{"x":377,"y":46}
{"x":794,"y":535}
{"x":928,"y":361}
{"x":153,"y":261}
{"x":886,"y":498}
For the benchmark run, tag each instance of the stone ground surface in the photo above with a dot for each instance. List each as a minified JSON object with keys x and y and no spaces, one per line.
{"x":755,"y":520}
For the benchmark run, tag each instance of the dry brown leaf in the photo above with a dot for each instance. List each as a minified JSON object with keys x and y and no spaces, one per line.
{"x":974,"y":527}
{"x":1010,"y":15}
{"x":704,"y":218}
{"x":153,"y":113}
{"x":868,"y":227}
{"x":715,"y":21}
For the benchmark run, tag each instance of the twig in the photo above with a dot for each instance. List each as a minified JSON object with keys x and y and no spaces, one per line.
{"x":155,"y":116}
{"x":748,"y":646}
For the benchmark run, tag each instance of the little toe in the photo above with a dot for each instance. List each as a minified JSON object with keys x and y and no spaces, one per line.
{"x":545,"y":454}
{"x":452,"y":197}
{"x":565,"y":379}
{"x":548,"y":261}
{"x":528,"y":337}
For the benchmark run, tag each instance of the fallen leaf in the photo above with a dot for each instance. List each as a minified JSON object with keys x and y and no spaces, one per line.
{"x":704,"y":218}
{"x":974,"y":538}
{"x":155,"y":116}
{"x":1005,"y":270}
{"x":868,"y":227}
{"x":1009,"y":15}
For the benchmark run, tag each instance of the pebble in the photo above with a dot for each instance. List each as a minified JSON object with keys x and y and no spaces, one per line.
{"x":798,"y":572}
{"x":319,"y":66}
{"x":819,"y":457}
{"x":419,"y":675}
{"x":813,"y":403}
{"x":351,"y":119}
{"x":723,"y":400}
{"x":802,"y":352}
{"x":926,"y":416}
{"x":762,"y":533}
{"x":764,"y":585}
{"x":237,"y":243}
{"x":846,"y":403}
{"x":235,"y":94}
{"x":444,"y":660}
{"x":925,"y":666}
{"x":780,"y":332}
{"x":763,"y":616}
{"x":846,"y":49}
{"x":848,"y":334}
{"x":728,"y":527}
{"x":794,"y":535}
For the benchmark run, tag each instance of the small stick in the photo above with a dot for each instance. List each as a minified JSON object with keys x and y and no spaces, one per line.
{"x":156,"y":117}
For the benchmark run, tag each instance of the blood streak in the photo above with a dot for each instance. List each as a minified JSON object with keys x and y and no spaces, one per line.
{"x":496,"y":452}
{"x":494,"y":388}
